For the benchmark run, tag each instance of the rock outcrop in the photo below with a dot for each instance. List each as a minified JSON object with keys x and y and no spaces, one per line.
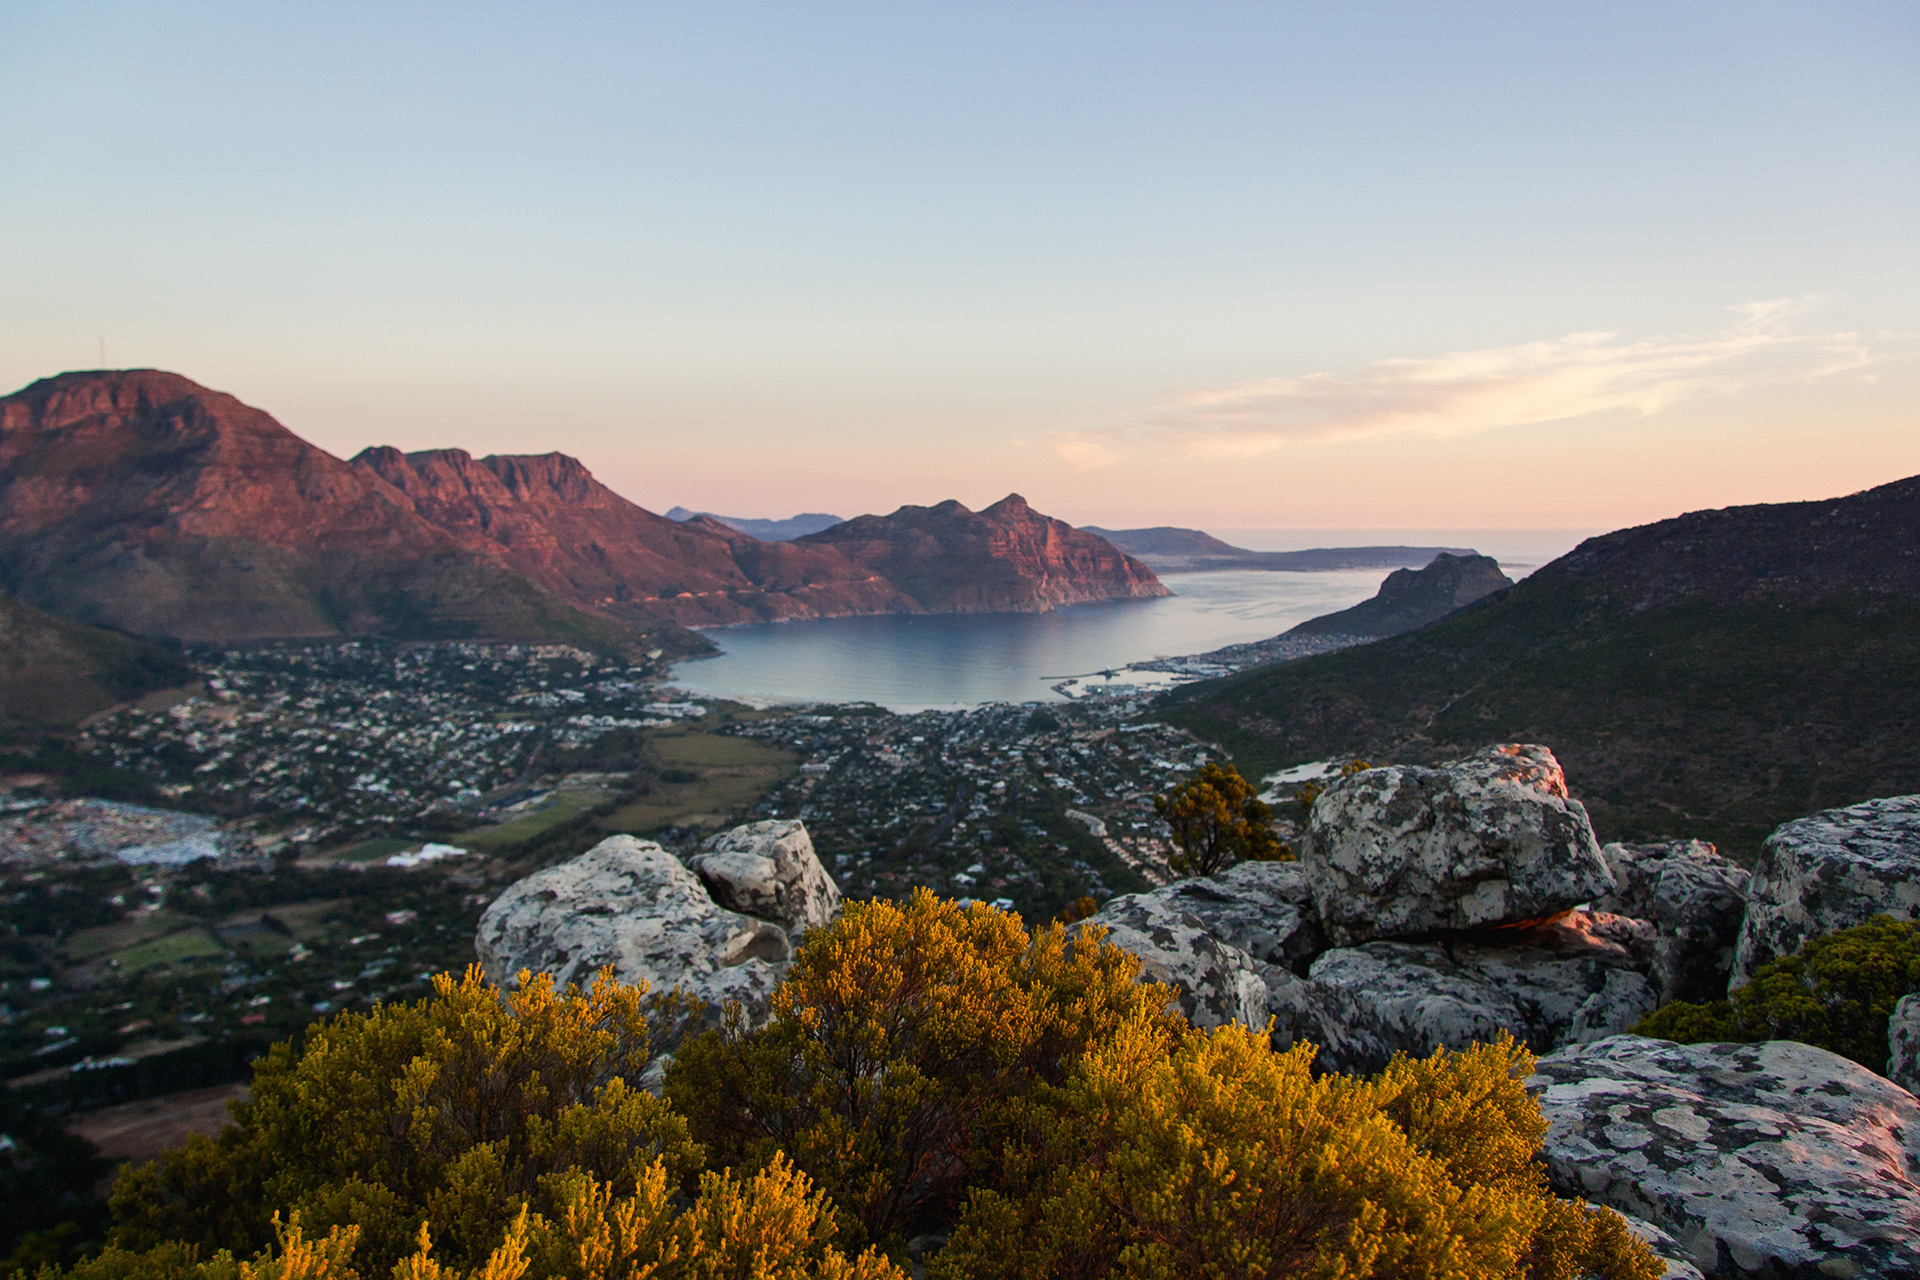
{"x":1574,"y":979}
{"x":1694,"y":898}
{"x":1903,"y":1044}
{"x":630,"y":904}
{"x":769,"y":869}
{"x":1493,"y":839}
{"x":1263,"y":908}
{"x":1411,"y":598}
{"x":1216,"y":982}
{"x":1773,"y":1159}
{"x":1006,"y":559}
{"x":1830,"y":871}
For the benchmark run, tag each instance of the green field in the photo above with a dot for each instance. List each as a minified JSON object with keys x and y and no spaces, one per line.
{"x":729,"y":774}
{"x":557,"y":808}
{"x":376,"y":850}
{"x":106,"y":939}
{"x":175,"y":948}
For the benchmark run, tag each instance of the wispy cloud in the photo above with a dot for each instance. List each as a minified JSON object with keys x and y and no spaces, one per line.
{"x":1473,"y":391}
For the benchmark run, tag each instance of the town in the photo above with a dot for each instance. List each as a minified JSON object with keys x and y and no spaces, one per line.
{"x":318,"y":827}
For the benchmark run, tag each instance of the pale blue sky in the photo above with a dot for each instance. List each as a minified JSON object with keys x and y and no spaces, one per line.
{"x":1185,"y":263}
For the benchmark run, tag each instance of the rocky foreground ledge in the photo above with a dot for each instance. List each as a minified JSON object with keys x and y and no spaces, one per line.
{"x":1431,"y":908}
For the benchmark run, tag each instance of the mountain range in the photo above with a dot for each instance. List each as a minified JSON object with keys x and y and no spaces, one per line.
{"x":1710,"y":675}
{"x":143,"y":502}
{"x":766,"y":530}
{"x":1170,"y":549}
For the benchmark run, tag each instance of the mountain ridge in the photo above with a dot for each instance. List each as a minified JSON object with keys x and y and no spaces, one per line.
{"x":1035,"y":562}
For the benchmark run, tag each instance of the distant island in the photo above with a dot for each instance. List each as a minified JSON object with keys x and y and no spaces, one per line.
{"x":766,"y":530}
{"x":1169,"y":549}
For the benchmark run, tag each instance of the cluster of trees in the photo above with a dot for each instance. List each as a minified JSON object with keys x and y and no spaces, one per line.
{"x":1017,"y":1104}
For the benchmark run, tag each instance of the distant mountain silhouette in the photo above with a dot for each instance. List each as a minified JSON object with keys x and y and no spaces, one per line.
{"x":1169,"y":549}
{"x":1412,"y":598}
{"x":1710,"y":675}
{"x":1007,"y":558}
{"x":766,"y":530}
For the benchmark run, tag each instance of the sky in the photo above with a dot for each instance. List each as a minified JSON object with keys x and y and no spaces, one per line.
{"x":1369,"y":266}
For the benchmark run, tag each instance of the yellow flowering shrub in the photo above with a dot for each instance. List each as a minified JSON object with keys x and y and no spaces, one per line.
{"x":901,"y":1050}
{"x":1213,"y":1156}
{"x":449,"y":1109}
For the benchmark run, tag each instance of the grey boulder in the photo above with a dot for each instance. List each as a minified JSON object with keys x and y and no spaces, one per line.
{"x":630,"y":904}
{"x":1774,"y":1159}
{"x":1566,"y":981}
{"x":1830,"y":871}
{"x":1903,"y":1044}
{"x":769,"y":869}
{"x":1217,"y":983}
{"x":1493,"y":839}
{"x":1694,"y":898}
{"x":1263,"y":908}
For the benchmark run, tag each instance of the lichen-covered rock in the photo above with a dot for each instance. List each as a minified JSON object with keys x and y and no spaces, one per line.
{"x":769,"y":869}
{"x":1263,"y":908}
{"x":1774,"y":1159}
{"x":1670,"y":1251}
{"x":1556,"y":984}
{"x":1830,"y":871}
{"x":1903,"y":1044}
{"x":1695,"y":899}
{"x":1218,"y":983}
{"x":1493,"y":839}
{"x":631,"y":904}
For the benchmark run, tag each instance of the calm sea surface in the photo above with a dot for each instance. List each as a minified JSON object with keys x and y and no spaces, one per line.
{"x":913,"y":663}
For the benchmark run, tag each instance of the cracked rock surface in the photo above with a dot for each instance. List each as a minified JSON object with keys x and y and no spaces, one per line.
{"x":1830,"y":871}
{"x":769,"y":869}
{"x":1217,"y":982}
{"x":1773,"y":1159}
{"x":1694,"y":898}
{"x":1493,"y":839}
{"x":630,"y":904}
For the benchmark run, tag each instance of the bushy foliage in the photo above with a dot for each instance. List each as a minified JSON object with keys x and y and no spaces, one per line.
{"x":1217,"y":819}
{"x":451,"y":1109}
{"x":1835,"y":993}
{"x":1211,"y":1155}
{"x":927,"y":1067}
{"x":771,"y":1226}
{"x":902,"y":1049}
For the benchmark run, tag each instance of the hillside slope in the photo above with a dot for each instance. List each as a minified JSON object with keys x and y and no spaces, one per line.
{"x":1710,"y":675}
{"x":140,"y":500}
{"x":1007,"y":558}
{"x":1412,"y":598}
{"x":56,"y":672}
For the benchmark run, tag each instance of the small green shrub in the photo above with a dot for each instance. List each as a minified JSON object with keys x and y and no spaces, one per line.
{"x":1835,"y":993}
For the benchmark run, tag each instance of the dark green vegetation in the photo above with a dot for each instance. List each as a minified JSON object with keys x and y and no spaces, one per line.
{"x":928,"y":1069}
{"x":1710,"y":676}
{"x":1217,"y":819}
{"x":1835,"y":993}
{"x":54,"y":672}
